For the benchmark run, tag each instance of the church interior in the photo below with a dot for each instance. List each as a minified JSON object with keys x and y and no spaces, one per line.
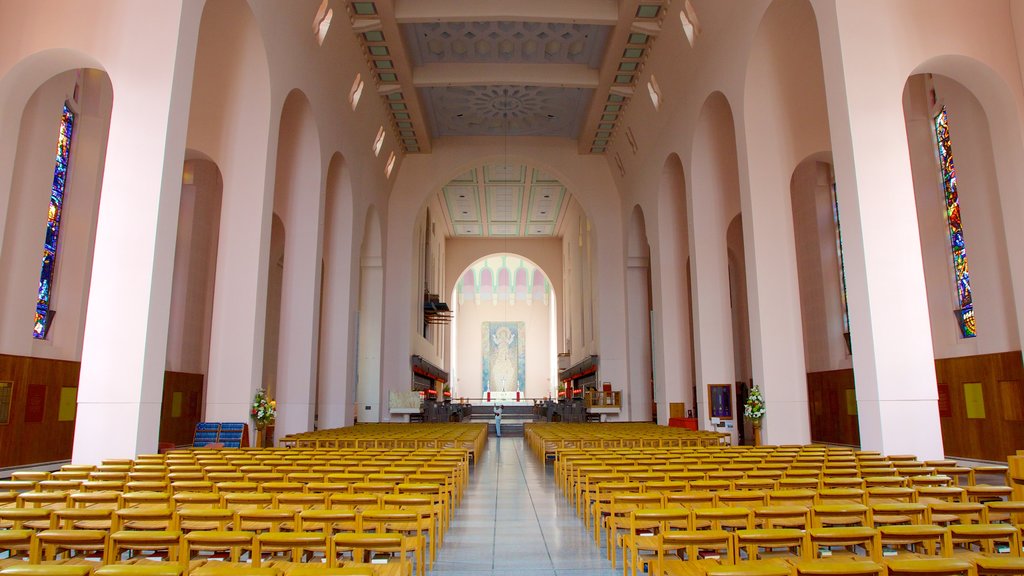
{"x":695,"y":246}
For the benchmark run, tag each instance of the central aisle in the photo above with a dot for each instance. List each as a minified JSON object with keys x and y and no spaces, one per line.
{"x":514,"y":521}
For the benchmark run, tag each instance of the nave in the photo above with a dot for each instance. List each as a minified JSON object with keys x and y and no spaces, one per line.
{"x":513,"y":521}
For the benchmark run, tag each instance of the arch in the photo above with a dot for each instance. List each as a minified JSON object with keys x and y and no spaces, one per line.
{"x":336,"y":388}
{"x":230,"y":118}
{"x":640,"y":349}
{"x":299,"y":197}
{"x":17,"y":85}
{"x":536,"y":331}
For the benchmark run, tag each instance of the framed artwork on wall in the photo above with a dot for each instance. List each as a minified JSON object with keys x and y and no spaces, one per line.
{"x":720,"y":401}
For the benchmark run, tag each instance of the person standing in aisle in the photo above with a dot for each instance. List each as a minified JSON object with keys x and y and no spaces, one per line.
{"x":497,"y":419}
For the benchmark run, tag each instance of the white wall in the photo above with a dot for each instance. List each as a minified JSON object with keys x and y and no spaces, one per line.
{"x":471,"y":315}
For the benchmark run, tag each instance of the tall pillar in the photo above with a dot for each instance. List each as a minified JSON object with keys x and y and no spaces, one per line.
{"x":125,"y":343}
{"x":893,"y":359}
{"x":638,"y":317}
{"x":337,"y":347}
{"x":712,"y":310}
{"x":773,"y":289}
{"x":299,"y":192}
{"x":370,"y":394}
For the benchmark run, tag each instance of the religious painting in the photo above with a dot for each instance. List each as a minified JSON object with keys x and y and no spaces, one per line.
{"x":503,"y":353}
{"x":720,"y":401}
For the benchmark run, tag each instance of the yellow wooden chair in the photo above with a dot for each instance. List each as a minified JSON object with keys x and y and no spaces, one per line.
{"x":298,"y":547}
{"x":15,"y":546}
{"x":620,"y":509}
{"x":645,"y":524}
{"x":70,"y":546}
{"x":232,"y":543}
{"x":762,"y":544}
{"x":914,"y":539}
{"x":848,"y":538}
{"x":962,"y":539}
{"x":692,"y":546}
{"x":409,"y":523}
{"x":360,"y":544}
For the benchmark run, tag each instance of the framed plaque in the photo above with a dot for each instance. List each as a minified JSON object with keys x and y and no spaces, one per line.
{"x":720,"y":401}
{"x":6,"y":399}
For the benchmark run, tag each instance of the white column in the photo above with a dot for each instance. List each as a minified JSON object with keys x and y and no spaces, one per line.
{"x":893,"y":359}
{"x":712,"y":310}
{"x":639,"y":320}
{"x":125,"y":343}
{"x":371,"y":396}
{"x":301,"y":196}
{"x":773,"y":289}
{"x":337,"y":347}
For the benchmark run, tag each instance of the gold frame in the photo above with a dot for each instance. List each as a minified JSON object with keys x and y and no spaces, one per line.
{"x":716,"y":391}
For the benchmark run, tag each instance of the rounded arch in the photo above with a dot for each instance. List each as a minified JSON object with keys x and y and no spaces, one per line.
{"x":785,"y":75}
{"x":488,"y":308}
{"x":637,"y":244}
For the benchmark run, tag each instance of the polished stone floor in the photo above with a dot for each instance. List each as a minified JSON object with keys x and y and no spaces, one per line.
{"x":514,"y":521}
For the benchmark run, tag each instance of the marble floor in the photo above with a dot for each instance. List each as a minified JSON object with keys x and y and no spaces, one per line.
{"x":514,"y":521}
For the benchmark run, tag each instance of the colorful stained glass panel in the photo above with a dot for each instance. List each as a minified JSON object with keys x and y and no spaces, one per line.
{"x":60,"y":176}
{"x":965,"y":313}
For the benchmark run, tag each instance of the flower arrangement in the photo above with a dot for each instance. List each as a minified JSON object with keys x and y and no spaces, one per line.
{"x":754,"y":408}
{"x":263,"y":409}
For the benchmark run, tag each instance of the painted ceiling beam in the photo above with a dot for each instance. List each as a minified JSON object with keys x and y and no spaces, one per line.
{"x":487,"y":74}
{"x":601,"y":12}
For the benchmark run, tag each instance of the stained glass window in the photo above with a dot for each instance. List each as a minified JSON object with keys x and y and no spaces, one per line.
{"x":965,"y":314}
{"x":842,"y":265}
{"x":60,"y":176}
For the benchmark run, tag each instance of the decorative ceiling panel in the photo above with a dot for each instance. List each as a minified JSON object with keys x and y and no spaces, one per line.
{"x":506,"y":110}
{"x":500,"y":200}
{"x":520,"y":42}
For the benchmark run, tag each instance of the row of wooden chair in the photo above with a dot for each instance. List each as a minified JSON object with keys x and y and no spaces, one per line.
{"x":472,"y":437}
{"x":655,"y":545}
{"x":204,"y":553}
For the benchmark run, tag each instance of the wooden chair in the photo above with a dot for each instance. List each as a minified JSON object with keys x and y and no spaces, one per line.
{"x":15,"y":546}
{"x":52,"y":545}
{"x":693,"y":544}
{"x":299,"y":547}
{"x":644,"y":527}
{"x":753,"y":542}
{"x":147,"y":569}
{"x":914,"y":539}
{"x":618,"y":520}
{"x":409,"y":523}
{"x":847,"y":538}
{"x":359,"y":544}
{"x":985,"y":536}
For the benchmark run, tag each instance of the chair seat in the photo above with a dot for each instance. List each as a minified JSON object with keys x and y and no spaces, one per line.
{"x":220,"y":537}
{"x":314,"y":570}
{"x":293,"y":538}
{"x":128,"y":537}
{"x":8,"y":537}
{"x":233,"y":569}
{"x":148,"y":569}
{"x":839,"y":567}
{"x":72,"y":536}
{"x":752,"y":568}
{"x":1000,"y":565}
{"x":47,"y":570}
{"x":928,"y":566}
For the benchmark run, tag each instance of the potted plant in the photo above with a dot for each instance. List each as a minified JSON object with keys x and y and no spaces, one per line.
{"x":754,"y":411}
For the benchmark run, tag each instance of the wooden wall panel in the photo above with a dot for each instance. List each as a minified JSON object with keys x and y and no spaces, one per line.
{"x":833,"y":418}
{"x":37,"y":434}
{"x":178,"y":417}
{"x":48,"y":439}
{"x":996,"y":434}
{"x":1000,"y":433}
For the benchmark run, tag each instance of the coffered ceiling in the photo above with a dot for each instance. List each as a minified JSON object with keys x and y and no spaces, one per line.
{"x":504,"y":200}
{"x":559,"y":68}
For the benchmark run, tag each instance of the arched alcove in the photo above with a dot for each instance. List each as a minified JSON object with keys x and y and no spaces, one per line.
{"x":369,"y":322}
{"x":503,"y":340}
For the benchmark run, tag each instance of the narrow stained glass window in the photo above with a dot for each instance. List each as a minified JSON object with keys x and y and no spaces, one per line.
{"x":842,"y":266}
{"x":60,"y":176}
{"x":965,"y":313}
